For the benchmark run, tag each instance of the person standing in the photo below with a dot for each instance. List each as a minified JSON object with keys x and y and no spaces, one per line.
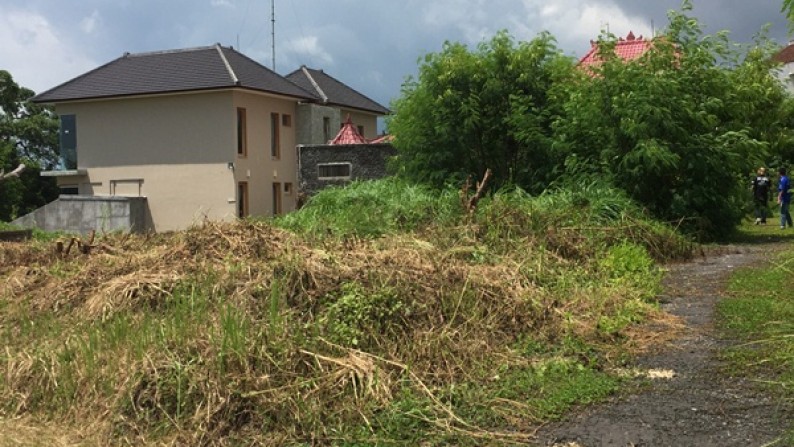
{"x":761,"y":187}
{"x":784,"y":199}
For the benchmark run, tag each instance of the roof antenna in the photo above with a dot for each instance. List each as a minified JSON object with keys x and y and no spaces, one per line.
{"x":653,"y":30}
{"x":273,"y":30}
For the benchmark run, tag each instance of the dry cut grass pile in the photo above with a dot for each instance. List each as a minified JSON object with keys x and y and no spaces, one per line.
{"x":244,"y":333}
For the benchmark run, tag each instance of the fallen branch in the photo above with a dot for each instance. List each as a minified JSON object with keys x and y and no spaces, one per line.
{"x":14,"y":173}
{"x":470,"y":203}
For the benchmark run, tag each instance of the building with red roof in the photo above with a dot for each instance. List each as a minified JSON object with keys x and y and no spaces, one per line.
{"x":627,"y":49}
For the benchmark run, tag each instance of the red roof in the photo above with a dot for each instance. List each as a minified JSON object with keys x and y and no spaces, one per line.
{"x":348,"y":134}
{"x":786,"y":55}
{"x":627,"y":49}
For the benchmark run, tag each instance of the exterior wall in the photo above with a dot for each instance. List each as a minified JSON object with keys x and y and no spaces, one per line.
{"x":178,"y":195}
{"x":180,"y":152}
{"x":786,"y":76}
{"x":82,"y":214}
{"x":310,"y":117}
{"x":368,"y":162}
{"x":258,"y":168}
{"x":310,"y":121}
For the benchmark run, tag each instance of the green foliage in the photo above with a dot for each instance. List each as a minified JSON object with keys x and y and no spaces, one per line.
{"x":29,"y":135}
{"x":676,"y":128}
{"x":352,"y":317}
{"x":371,"y":209}
{"x":487,"y":108}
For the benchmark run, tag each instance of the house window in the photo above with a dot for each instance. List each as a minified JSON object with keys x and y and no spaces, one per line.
{"x":334,"y":171}
{"x":286,"y":120}
{"x":326,"y":129}
{"x":242,"y":199}
{"x":242,"y":143}
{"x":275,"y":141}
{"x":68,"y":141}
{"x":276,"y":199}
{"x":361,"y":130}
{"x":287,"y":188}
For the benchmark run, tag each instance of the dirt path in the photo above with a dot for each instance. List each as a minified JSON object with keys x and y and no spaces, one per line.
{"x":697,"y":406}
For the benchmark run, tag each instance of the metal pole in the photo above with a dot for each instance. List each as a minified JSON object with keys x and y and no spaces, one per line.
{"x":273,"y":30}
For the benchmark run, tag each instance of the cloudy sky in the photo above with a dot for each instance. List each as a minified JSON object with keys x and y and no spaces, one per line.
{"x":371,"y":45}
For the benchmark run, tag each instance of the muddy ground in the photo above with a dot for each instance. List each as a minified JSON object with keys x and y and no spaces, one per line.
{"x":697,"y":406}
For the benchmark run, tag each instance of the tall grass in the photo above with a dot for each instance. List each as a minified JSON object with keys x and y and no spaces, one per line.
{"x":372,"y":209}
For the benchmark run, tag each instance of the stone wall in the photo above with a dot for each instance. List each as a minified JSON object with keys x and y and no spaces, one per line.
{"x":82,"y":214}
{"x":367,"y":162}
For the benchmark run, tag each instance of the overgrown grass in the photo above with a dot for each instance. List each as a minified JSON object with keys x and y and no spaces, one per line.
{"x":410,"y":322}
{"x":760,"y":311}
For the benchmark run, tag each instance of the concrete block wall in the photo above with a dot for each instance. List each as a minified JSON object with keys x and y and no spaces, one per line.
{"x":82,"y":214}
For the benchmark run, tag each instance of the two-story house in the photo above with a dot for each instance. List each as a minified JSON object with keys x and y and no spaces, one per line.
{"x":199,"y":133}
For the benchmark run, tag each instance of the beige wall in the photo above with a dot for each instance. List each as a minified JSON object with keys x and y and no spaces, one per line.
{"x":176,"y":150}
{"x":178,"y":195}
{"x":258,"y":168}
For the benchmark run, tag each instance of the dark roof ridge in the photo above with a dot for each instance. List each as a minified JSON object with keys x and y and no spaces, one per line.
{"x":172,"y":51}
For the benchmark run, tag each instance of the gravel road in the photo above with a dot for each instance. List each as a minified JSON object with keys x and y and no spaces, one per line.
{"x":697,"y":406}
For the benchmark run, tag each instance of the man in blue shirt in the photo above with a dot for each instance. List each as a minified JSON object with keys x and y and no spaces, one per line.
{"x":784,"y":199}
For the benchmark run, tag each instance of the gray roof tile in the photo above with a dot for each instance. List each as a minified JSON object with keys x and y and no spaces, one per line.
{"x":335,"y":91}
{"x":203,"y":68}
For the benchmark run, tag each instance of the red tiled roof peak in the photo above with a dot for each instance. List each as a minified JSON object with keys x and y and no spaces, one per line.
{"x":348,"y":134}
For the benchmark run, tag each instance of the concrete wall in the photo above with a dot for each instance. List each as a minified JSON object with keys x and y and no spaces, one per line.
{"x":310,"y":119}
{"x":82,"y":214}
{"x":310,"y":123}
{"x":367,"y":161}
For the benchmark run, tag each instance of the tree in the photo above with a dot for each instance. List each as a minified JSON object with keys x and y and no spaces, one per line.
{"x":676,"y":128}
{"x":29,"y":135}
{"x":473,"y":110}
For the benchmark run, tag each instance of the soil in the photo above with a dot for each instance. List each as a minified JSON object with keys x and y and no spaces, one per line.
{"x":698,"y":405}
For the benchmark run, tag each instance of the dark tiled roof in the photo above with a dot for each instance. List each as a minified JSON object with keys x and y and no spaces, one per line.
{"x":192,"y":69}
{"x":334,"y":92}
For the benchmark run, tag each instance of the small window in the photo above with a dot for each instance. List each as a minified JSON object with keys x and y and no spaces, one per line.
{"x":334,"y":171}
{"x":70,"y":190}
{"x":242,"y":199}
{"x":242,"y":143}
{"x":275,"y":140}
{"x":326,"y":129}
{"x":286,"y":120}
{"x":361,"y":130}
{"x":276,"y":199}
{"x":287,"y":188}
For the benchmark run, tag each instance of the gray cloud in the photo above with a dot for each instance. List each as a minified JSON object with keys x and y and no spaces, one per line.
{"x":371,"y":45}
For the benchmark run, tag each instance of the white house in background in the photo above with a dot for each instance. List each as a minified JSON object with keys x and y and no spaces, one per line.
{"x":786,"y":72}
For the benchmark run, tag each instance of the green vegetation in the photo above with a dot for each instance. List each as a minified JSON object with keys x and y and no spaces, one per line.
{"x":760,"y":311}
{"x":677,"y":129}
{"x":447,"y":327}
{"x":29,"y":135}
